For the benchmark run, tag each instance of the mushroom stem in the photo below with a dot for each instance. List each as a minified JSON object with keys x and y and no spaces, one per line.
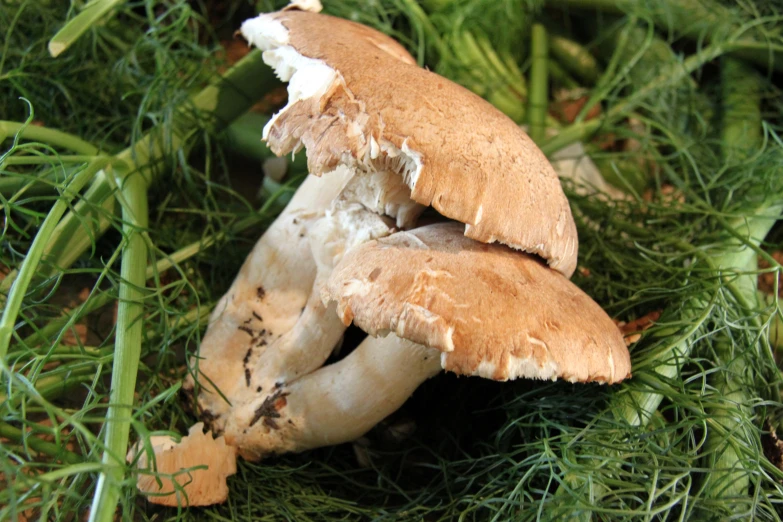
{"x":337,"y":403}
{"x":301,"y":350}
{"x":305,"y":346}
{"x":265,"y":300}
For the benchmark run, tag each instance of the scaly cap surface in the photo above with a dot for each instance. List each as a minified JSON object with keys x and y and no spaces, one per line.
{"x":356,"y":99}
{"x":492,"y":312}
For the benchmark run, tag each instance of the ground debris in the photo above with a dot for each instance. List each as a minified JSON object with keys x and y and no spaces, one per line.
{"x":632,"y":332}
{"x":767,"y":280}
{"x":569,"y":103}
{"x":772,"y":445}
{"x":270,"y":408}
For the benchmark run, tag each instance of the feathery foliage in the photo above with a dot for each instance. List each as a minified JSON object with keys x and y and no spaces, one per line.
{"x":140,"y":93}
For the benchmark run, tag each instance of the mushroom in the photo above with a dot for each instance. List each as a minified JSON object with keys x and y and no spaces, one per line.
{"x":377,"y":127}
{"x":272,"y":302}
{"x":173,"y":463}
{"x":442,"y":301}
{"x":264,"y":302}
{"x":354,"y":101}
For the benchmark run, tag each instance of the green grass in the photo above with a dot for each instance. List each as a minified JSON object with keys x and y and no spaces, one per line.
{"x":136,"y":110}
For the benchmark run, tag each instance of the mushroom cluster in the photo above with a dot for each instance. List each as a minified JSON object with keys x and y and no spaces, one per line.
{"x":483,"y":293}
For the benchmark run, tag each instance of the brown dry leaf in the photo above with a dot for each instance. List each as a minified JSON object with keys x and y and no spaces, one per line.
{"x":670,"y":193}
{"x":28,"y":515}
{"x":234,"y":50}
{"x":632,"y":331}
{"x":568,"y":104}
{"x":84,"y":294}
{"x":772,"y":445}
{"x":76,"y":336}
{"x":767,"y":279}
{"x":272,"y":101}
{"x":607,"y":141}
{"x":667,"y":194}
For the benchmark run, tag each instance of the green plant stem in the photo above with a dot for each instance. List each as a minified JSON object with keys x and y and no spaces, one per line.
{"x":696,"y":19}
{"x":128,"y":344}
{"x":636,"y":50}
{"x":742,"y":120}
{"x":212,"y":109}
{"x":54,"y":384}
{"x":127,"y":347}
{"x":45,"y":160}
{"x":775,"y":321}
{"x":41,"y":446}
{"x":67,"y":319}
{"x":481,"y":70}
{"x":736,"y":258}
{"x":575,"y":58}
{"x":54,"y":326}
{"x":624,"y":173}
{"x":539,"y":83}
{"x":560,"y":76}
{"x":741,"y":135}
{"x":90,"y":15}
{"x":623,"y":49}
{"x":244,"y":136}
{"x":41,"y":183}
{"x":51,"y":137}
{"x":64,"y":352}
{"x":423,"y":25}
{"x":638,"y":407}
{"x":59,"y":474}
{"x":37,"y":249}
{"x":670,"y":75}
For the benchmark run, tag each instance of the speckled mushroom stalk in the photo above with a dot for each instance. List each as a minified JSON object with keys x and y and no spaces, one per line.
{"x":337,"y":403}
{"x":271,"y":326}
{"x":265,"y":302}
{"x":444,"y":302}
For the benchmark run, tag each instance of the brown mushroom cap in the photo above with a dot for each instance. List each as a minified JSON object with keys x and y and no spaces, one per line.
{"x":493,"y":312}
{"x":197,"y":487}
{"x":474,"y":164}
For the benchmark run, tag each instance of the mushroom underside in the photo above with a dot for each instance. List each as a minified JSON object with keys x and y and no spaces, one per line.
{"x":271,"y":327}
{"x":341,"y":111}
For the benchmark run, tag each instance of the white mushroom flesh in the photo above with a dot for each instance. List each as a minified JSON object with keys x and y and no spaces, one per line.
{"x":305,"y":346}
{"x":271,"y":326}
{"x":312,"y":79}
{"x":265,"y":301}
{"x":337,"y":403}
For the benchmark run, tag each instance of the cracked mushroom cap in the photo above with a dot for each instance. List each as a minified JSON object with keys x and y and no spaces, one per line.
{"x":355,"y":99}
{"x":492,"y":312}
{"x":174,"y":462}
